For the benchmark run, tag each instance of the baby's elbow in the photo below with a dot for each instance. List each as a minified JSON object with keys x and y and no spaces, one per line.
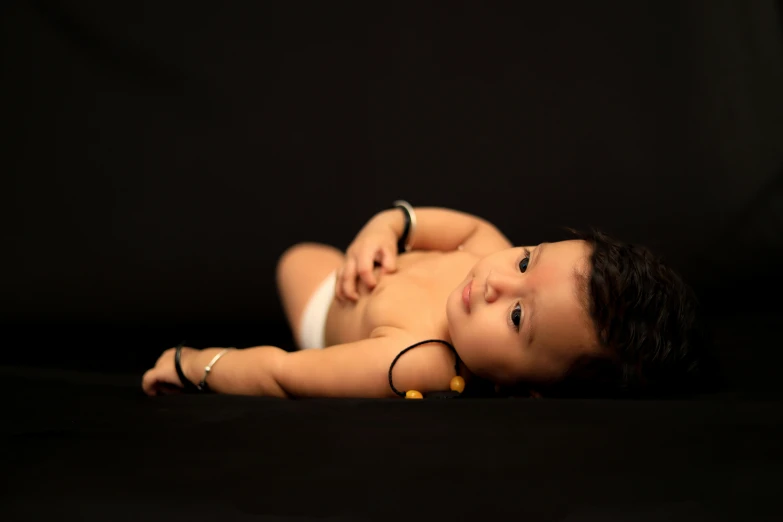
{"x":267,"y":366}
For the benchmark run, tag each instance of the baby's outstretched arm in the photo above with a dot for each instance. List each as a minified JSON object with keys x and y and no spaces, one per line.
{"x":240,"y":372}
{"x":357,"y":369}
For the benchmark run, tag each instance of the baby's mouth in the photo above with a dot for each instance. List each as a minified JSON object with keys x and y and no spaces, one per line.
{"x":466,"y":295}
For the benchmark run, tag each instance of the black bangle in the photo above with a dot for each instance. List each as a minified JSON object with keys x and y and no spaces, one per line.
{"x":186,"y":384}
{"x":402,"y":243}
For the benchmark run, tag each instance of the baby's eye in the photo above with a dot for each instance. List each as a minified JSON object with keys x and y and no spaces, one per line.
{"x":516,"y":316}
{"x":523,"y":264}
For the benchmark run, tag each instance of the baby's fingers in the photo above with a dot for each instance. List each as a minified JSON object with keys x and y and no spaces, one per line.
{"x":365,"y":268}
{"x":148,"y":382}
{"x":388,"y":259}
{"x":348,"y":283}
{"x":151,"y":383}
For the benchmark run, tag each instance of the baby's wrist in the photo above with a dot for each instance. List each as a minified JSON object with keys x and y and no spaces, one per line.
{"x":394,"y":220}
{"x":391,"y":221}
{"x":197,"y":362}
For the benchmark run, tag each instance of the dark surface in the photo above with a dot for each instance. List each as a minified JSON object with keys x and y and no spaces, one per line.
{"x":159,"y":156}
{"x":96,"y":448}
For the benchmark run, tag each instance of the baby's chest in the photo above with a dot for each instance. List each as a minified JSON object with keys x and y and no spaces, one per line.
{"x":410,"y":302}
{"x":406,"y":306}
{"x":415,"y":297}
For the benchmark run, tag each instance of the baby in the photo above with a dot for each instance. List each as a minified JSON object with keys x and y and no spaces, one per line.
{"x":432,"y":300}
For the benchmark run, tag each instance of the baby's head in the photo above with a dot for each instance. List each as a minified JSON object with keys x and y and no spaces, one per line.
{"x":588,"y":316}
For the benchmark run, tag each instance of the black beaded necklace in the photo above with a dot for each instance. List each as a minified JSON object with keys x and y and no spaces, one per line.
{"x":457,"y":384}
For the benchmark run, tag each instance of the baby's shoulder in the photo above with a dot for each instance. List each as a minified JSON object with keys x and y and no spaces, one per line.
{"x":424,"y":363}
{"x":437,"y":263}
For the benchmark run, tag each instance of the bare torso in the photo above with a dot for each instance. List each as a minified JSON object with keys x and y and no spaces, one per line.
{"x":413,"y":298}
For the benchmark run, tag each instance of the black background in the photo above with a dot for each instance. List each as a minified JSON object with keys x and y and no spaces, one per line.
{"x":158,"y":157}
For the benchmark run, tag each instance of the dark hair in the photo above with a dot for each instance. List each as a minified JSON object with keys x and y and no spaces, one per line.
{"x":648,"y":322}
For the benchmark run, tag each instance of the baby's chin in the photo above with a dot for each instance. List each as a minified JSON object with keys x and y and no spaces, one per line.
{"x":451,"y":312}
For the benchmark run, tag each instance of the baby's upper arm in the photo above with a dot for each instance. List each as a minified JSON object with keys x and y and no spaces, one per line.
{"x":486,"y":240}
{"x":361,"y":369}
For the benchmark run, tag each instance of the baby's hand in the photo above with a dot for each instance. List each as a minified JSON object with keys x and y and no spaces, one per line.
{"x":375,"y":243}
{"x":163,"y":378}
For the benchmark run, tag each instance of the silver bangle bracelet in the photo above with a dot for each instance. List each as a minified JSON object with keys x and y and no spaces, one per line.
{"x":208,"y":368}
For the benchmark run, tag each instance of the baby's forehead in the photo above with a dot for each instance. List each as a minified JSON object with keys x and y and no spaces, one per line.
{"x":572,"y":241}
{"x":566,"y":260}
{"x":575,"y":242}
{"x":565,"y":247}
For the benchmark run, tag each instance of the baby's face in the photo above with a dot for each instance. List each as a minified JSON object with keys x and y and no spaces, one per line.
{"x":519,"y":317}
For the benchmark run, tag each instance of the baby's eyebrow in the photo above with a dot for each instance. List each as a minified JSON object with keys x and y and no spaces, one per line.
{"x":538,"y":251}
{"x":534,"y":261}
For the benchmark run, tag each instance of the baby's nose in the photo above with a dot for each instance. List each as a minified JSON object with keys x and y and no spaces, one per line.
{"x":500,"y":284}
{"x":490,"y":294}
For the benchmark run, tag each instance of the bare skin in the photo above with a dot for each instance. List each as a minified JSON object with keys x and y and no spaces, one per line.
{"x":378,"y":311}
{"x":411,"y":298}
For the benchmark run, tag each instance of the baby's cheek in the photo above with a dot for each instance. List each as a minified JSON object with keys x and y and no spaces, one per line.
{"x":486,"y":359}
{"x":505,"y":362}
